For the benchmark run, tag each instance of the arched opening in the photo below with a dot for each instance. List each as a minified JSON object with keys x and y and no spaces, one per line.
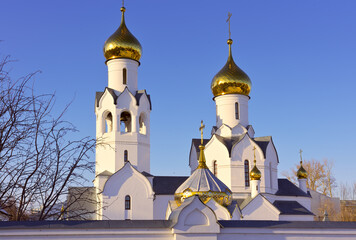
{"x":124,"y":76}
{"x":125,"y":122}
{"x":215,"y":167}
{"x":237,"y":113}
{"x":142,"y":124}
{"x":126,"y":156}
{"x":127,"y":202}
{"x":247,"y":173}
{"x":108,"y":122}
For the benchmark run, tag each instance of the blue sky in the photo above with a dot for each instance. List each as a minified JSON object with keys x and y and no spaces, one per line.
{"x":300,"y":56}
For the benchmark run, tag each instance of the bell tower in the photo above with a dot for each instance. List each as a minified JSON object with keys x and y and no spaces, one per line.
{"x":122,"y":111}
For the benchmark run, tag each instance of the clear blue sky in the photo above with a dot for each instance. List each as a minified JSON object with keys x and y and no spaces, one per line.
{"x":300,"y":56}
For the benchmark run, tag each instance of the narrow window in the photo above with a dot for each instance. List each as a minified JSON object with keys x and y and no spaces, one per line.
{"x":124,"y":76}
{"x":215,"y":168}
{"x":247,"y":173}
{"x":237,"y":114}
{"x":127,"y":202}
{"x":126,"y":156}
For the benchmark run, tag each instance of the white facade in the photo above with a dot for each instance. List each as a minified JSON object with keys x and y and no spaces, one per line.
{"x":126,"y":190}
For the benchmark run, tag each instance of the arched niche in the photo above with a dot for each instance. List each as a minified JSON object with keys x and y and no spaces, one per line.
{"x":125,"y":122}
{"x":142,"y":122}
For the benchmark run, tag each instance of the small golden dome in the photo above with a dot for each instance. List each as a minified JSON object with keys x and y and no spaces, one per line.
{"x":230,"y":79}
{"x":122,"y":44}
{"x":302,"y":173}
{"x":255,"y":174}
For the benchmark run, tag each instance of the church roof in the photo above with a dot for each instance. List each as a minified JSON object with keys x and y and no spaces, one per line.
{"x":287,"y":188}
{"x":167,"y":185}
{"x":138,"y":95}
{"x":262,"y":142}
{"x":291,"y":208}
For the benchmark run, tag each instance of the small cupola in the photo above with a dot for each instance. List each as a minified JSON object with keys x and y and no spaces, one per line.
{"x":203,"y":183}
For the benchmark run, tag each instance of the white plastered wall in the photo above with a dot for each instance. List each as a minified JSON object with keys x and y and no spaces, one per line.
{"x":110,"y":151}
{"x":115,"y":74}
{"x":127,"y":181}
{"x":225,"y":110}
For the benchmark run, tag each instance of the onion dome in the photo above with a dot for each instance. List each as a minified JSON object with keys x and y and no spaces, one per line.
{"x":122,"y":44}
{"x":230,"y":79}
{"x":204,"y":184}
{"x":255,"y":174}
{"x":302,"y":173}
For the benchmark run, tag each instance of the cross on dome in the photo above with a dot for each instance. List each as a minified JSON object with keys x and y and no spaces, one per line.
{"x":228,"y":20}
{"x":201,"y":128}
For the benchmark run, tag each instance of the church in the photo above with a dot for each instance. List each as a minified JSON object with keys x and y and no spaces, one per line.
{"x":233,"y":172}
{"x":233,"y":191}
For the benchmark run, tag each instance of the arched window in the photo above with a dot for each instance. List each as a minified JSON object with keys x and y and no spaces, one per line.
{"x":247,"y":173}
{"x":142,"y":123}
{"x":237,"y":113}
{"x":127,"y":202}
{"x":125,"y":122}
{"x":215,"y":168}
{"x":126,"y":156}
{"x":108,"y":122}
{"x":124,"y":76}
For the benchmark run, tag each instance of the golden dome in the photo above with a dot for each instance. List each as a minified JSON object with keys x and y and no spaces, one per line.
{"x":204,"y":184}
{"x":230,"y":79}
{"x":302,"y":173}
{"x":255,"y":174}
{"x":122,"y":44}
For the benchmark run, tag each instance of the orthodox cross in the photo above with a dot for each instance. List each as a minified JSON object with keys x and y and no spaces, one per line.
{"x":254,"y":154}
{"x":300,"y":152}
{"x":228,"y":20}
{"x":202,"y":126}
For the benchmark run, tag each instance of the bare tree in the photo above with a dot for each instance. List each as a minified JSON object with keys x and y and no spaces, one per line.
{"x":320,"y":176}
{"x":37,"y":160}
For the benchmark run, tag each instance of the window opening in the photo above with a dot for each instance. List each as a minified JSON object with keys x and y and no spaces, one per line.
{"x":215,"y":168}
{"x":126,"y":156}
{"x":124,"y":76}
{"x":142,"y":124}
{"x":127,"y":202}
{"x":237,"y":114}
{"x":125,"y":122}
{"x":247,"y":173}
{"x":108,"y":122}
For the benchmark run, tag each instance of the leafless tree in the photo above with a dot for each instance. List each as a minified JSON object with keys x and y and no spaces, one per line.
{"x":320,"y":176}
{"x":38,"y":162}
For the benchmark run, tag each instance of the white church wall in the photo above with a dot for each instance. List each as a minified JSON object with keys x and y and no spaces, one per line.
{"x":238,"y":130}
{"x":225,"y":110}
{"x":272,"y":165}
{"x":260,"y":209}
{"x":115,"y":74}
{"x":127,"y":182}
{"x":160,"y":205}
{"x":216,"y":151}
{"x":85,"y":232}
{"x":242,"y":151}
